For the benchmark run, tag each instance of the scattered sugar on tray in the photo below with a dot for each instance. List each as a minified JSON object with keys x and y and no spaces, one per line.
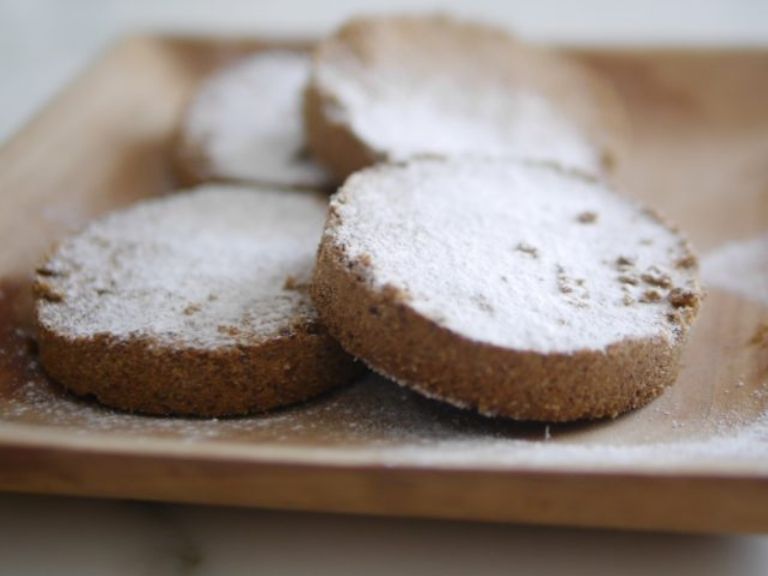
{"x":248,"y":119}
{"x":742,"y":445}
{"x":38,"y":402}
{"x":375,"y":421}
{"x":740,"y":267}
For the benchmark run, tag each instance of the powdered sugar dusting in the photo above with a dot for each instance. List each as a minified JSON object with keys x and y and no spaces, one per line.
{"x":737,"y":444}
{"x":441,"y":96}
{"x":502,"y":253}
{"x":375,"y":422}
{"x":402,"y":122}
{"x":739,"y":267}
{"x":247,"y":119}
{"x":213,"y":267}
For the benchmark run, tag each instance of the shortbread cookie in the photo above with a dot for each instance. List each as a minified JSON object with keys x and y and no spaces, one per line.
{"x":513,"y":289}
{"x":394,"y":88}
{"x":194,"y":304}
{"x":244,"y":124}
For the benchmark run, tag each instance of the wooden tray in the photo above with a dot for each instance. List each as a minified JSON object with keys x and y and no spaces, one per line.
{"x":696,"y":459}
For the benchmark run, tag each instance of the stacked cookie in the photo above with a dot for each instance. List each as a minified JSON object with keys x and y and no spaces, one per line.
{"x":473,"y":253}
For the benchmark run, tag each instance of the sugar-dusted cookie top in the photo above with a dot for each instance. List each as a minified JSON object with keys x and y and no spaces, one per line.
{"x":392,"y":88}
{"x":219,"y":266}
{"x":244,"y":124}
{"x":516,"y":255}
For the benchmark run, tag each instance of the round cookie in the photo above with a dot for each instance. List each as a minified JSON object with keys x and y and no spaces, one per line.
{"x":393,"y":88}
{"x":514,"y":289}
{"x":244,"y":125}
{"x":193,"y":304}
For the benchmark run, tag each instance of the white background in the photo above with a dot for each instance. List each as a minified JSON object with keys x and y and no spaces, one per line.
{"x":43,"y":43}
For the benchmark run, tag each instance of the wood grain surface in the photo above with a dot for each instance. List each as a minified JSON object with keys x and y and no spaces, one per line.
{"x":698,"y":152}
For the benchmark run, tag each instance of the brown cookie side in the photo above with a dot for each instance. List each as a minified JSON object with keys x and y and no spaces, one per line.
{"x":383,"y":330}
{"x":188,"y":160}
{"x":332,"y":143}
{"x":139,"y":375}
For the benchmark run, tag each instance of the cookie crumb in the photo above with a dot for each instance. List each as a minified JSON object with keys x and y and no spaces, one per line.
{"x":656,"y":277}
{"x":650,"y":296}
{"x":675,"y":317}
{"x":365,"y":260}
{"x":192,"y":309}
{"x":45,"y":271}
{"x":681,"y":298}
{"x":628,"y":279}
{"x":48,"y":293}
{"x":228,"y":329}
{"x":568,"y":285}
{"x":625,"y":262}
{"x":587,"y":217}
{"x":527,"y":249}
{"x":687,"y":262}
